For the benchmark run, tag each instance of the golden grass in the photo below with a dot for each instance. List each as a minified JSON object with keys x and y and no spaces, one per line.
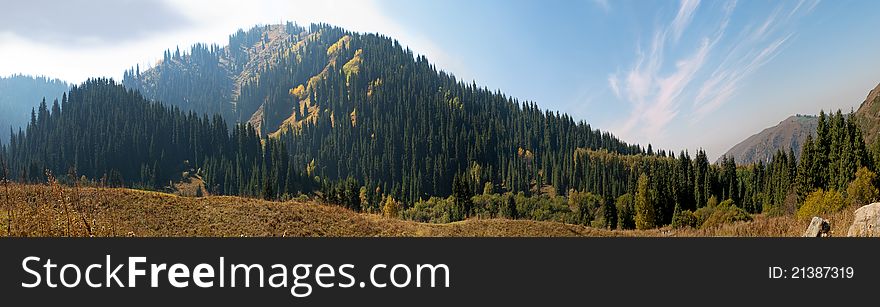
{"x":190,"y":186}
{"x":763,"y":226}
{"x":52,"y":210}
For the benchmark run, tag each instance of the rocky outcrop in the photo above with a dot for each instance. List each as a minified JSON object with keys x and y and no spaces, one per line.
{"x":866,"y":222}
{"x":819,"y":227}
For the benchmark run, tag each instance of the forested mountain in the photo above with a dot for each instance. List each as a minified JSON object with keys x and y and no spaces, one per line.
{"x":20,"y":94}
{"x":789,"y":135}
{"x":361,"y":121}
{"x":104,"y":132}
{"x":361,"y":106}
{"x":868,"y":116}
{"x":253,"y":78}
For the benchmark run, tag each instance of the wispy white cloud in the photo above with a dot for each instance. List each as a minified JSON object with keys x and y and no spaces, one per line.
{"x":721,"y":86}
{"x":804,"y":6}
{"x":755,"y":47}
{"x":615,"y":87}
{"x":654,"y":93}
{"x":708,"y":73}
{"x":684,"y":17}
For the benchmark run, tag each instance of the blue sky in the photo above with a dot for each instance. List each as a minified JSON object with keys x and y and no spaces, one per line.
{"x":679,"y":74}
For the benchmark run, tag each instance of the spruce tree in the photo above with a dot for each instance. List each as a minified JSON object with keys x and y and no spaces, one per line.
{"x":645,"y":206}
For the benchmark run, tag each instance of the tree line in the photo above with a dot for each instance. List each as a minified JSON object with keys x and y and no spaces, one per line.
{"x":375,"y":128}
{"x":104,"y":132}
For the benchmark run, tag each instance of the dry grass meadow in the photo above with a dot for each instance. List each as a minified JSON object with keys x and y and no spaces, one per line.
{"x":55,"y":210}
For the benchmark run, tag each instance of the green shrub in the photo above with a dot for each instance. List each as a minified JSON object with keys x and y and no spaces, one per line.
{"x":785,"y":206}
{"x":508,"y":207}
{"x":434,"y":210}
{"x":703,"y":214}
{"x":585,"y":205}
{"x":862,"y":191}
{"x":681,"y":219}
{"x":725,"y":213}
{"x":821,"y":202}
{"x":486,"y":205}
{"x":544,"y":208}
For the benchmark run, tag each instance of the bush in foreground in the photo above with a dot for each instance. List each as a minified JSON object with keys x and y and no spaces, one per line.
{"x":821,"y":202}
{"x":681,"y":219}
{"x":724,"y":213}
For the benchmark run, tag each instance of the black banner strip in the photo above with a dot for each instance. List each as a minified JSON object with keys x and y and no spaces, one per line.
{"x":481,"y":271}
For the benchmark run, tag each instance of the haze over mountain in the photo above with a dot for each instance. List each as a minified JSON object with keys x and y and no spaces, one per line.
{"x":788,"y":135}
{"x":20,"y":94}
{"x":791,"y":133}
{"x":241,"y":80}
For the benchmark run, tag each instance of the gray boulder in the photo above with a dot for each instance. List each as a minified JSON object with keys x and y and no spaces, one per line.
{"x":866,"y":222}
{"x":819,"y":227}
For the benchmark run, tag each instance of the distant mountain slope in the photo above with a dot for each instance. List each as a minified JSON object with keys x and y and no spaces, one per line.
{"x":20,"y":94}
{"x":253,"y":78}
{"x":103,"y":129}
{"x":868,"y":116}
{"x":363,"y":106}
{"x":789,"y":134}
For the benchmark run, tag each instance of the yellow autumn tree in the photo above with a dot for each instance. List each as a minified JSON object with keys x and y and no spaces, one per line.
{"x":646,"y":213}
{"x":365,"y":201}
{"x":862,"y":191}
{"x":821,"y":202}
{"x":391,"y":208}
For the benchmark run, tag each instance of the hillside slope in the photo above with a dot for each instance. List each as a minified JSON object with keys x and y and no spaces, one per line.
{"x":868,"y":116}
{"x":249,"y":80}
{"x":789,"y":134}
{"x":42,"y":210}
{"x":792,"y":132}
{"x":363,"y":106}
